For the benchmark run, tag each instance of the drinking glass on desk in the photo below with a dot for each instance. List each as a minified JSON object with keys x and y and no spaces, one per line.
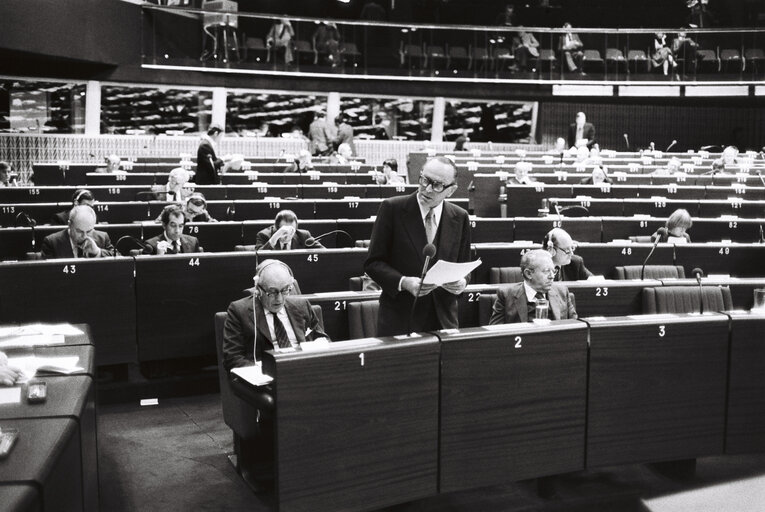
{"x":759,"y":299}
{"x":542,"y":309}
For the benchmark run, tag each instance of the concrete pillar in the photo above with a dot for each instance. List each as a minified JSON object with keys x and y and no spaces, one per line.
{"x":333,"y":107}
{"x":219,"y":107}
{"x":93,"y":108}
{"x":439,"y":109}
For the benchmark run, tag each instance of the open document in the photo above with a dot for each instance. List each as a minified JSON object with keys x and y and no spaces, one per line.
{"x":447,"y":272}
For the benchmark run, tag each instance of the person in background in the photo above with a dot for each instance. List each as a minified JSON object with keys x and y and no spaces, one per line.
{"x":581,"y":132}
{"x":521,"y":176}
{"x":284,"y":235}
{"x":175,"y":190}
{"x":560,"y":147}
{"x":525,"y":49}
{"x":280,"y":36}
{"x":344,"y":133}
{"x":730,"y":156}
{"x":208,"y":163}
{"x":517,"y":302}
{"x":326,"y":42}
{"x":672,"y":167}
{"x":507,"y":16}
{"x":389,"y":174}
{"x":80,"y":239}
{"x":561,"y":247}
{"x":303,"y":163}
{"x":343,"y":156}
{"x":677,"y":225}
{"x":662,"y":54}
{"x":9,"y":375}
{"x":5,"y":176}
{"x":571,"y":46}
{"x":403,"y":228}
{"x":598,"y":176}
{"x":112,"y":165}
{"x":718,"y":167}
{"x":195,"y":209}
{"x":318,"y":136}
{"x":459,"y":143}
{"x":80,"y":196}
{"x":172,"y":240}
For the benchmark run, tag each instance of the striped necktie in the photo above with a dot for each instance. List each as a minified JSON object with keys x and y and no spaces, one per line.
{"x":281,"y":333}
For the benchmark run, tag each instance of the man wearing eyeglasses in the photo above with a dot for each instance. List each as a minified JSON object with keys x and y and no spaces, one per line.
{"x":404,"y":226}
{"x":282,"y":321}
{"x":517,"y":302}
{"x":561,"y":247}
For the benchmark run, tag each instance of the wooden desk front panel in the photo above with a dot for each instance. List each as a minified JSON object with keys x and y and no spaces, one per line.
{"x":738,"y":260}
{"x":656,"y":389}
{"x":512,"y":404}
{"x":363,"y":434}
{"x":745,"y":431}
{"x":602,"y":258}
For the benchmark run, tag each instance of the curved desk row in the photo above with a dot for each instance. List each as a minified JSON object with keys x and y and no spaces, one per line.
{"x":54,"y":464}
{"x":386,"y":421}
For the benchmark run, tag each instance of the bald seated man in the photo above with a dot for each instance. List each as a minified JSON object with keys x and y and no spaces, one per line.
{"x":517,"y":302}
{"x":80,"y":239}
{"x":561,"y":247}
{"x":283,"y":321}
{"x":521,"y":176}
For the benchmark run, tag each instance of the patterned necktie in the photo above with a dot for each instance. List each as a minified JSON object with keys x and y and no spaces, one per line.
{"x":579,"y":133}
{"x":281,"y":333}
{"x":177,"y":247}
{"x":430,"y":226}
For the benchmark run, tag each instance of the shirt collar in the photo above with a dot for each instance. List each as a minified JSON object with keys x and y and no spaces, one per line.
{"x":530,"y":292}
{"x":436,"y":211}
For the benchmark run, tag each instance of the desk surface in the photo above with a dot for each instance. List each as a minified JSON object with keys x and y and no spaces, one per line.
{"x":363,"y":435}
{"x":512,"y":403}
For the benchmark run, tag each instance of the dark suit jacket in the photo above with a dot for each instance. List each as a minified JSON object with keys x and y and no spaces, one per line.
{"x":298,"y":239}
{"x":207,"y":165}
{"x":574,"y":271}
{"x":188,"y":243}
{"x":239,"y":329}
{"x":57,"y":245}
{"x":60,"y":218}
{"x":395,"y":250}
{"x":512,"y":180}
{"x":511,"y":305}
{"x":588,"y":132}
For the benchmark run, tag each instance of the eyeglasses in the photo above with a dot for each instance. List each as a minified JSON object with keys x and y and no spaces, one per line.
{"x":272,"y":294}
{"x":436,"y":185}
{"x":551,"y":272}
{"x":569,"y":251}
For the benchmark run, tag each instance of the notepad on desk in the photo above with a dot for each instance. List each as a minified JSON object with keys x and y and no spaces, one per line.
{"x":253,"y":375}
{"x":35,"y":365}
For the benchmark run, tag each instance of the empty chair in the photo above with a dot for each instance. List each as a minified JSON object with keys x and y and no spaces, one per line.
{"x":458,"y":58}
{"x":592,"y":60}
{"x":254,"y":49}
{"x":730,"y":60}
{"x":651,"y":272}
{"x":503,"y":58}
{"x":350,"y":53}
{"x":306,"y":54}
{"x":480,"y":59}
{"x":362,"y":319}
{"x":412,"y":56}
{"x":638,"y":62}
{"x":754,"y":59}
{"x":708,"y":61}
{"x":615,"y":61}
{"x":436,"y":56}
{"x":686,"y":299}
{"x":499,"y":275}
{"x":547,"y":59}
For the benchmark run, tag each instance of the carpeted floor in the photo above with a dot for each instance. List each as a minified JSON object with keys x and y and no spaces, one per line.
{"x":173,"y":457}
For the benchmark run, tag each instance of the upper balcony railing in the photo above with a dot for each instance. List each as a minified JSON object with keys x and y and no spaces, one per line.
{"x":264,"y":44}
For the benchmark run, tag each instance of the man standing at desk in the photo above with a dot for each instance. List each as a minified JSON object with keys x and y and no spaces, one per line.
{"x":208,"y":163}
{"x":561,"y":247}
{"x":172,"y":240}
{"x":517,"y":302}
{"x":404,"y":226}
{"x":80,"y":239}
{"x":282,"y":321}
{"x":581,"y":132}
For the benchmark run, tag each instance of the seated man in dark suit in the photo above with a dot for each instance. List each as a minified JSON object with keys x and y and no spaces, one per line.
{"x":521,"y":176}
{"x":80,"y":196}
{"x":284,"y":235}
{"x":561,"y":247}
{"x":80,"y":239}
{"x":517,"y":302}
{"x":581,"y":132}
{"x":172,"y":240}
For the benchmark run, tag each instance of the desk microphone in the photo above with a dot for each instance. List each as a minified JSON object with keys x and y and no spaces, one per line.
{"x":31,"y":223}
{"x":762,"y":237}
{"x":148,"y":249}
{"x":428,"y":251}
{"x":759,"y":175}
{"x":698,"y":274}
{"x":311,"y":241}
{"x":670,"y":146}
{"x":659,"y":234}
{"x":626,"y":139}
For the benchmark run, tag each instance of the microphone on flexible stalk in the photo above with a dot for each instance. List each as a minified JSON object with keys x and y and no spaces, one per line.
{"x":698,"y":274}
{"x":627,"y":140}
{"x":661,"y":232}
{"x":670,"y":146}
{"x":428,"y":251}
{"x":312,"y":241}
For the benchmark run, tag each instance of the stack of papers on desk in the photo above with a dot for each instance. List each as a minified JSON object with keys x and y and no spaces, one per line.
{"x":32,"y":335}
{"x":35,"y":365}
{"x":253,"y":374}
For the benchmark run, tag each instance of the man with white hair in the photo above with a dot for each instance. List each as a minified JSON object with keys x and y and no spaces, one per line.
{"x":521,"y":176}
{"x":112,"y":165}
{"x":343,"y":156}
{"x":517,"y":302}
{"x":80,"y":239}
{"x":174,"y":189}
{"x":581,"y":133}
{"x":569,"y":267}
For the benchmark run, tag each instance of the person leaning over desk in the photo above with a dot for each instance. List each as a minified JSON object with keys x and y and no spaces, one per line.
{"x":404,"y":226}
{"x":284,"y":235}
{"x":80,"y":239}
{"x":517,"y":302}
